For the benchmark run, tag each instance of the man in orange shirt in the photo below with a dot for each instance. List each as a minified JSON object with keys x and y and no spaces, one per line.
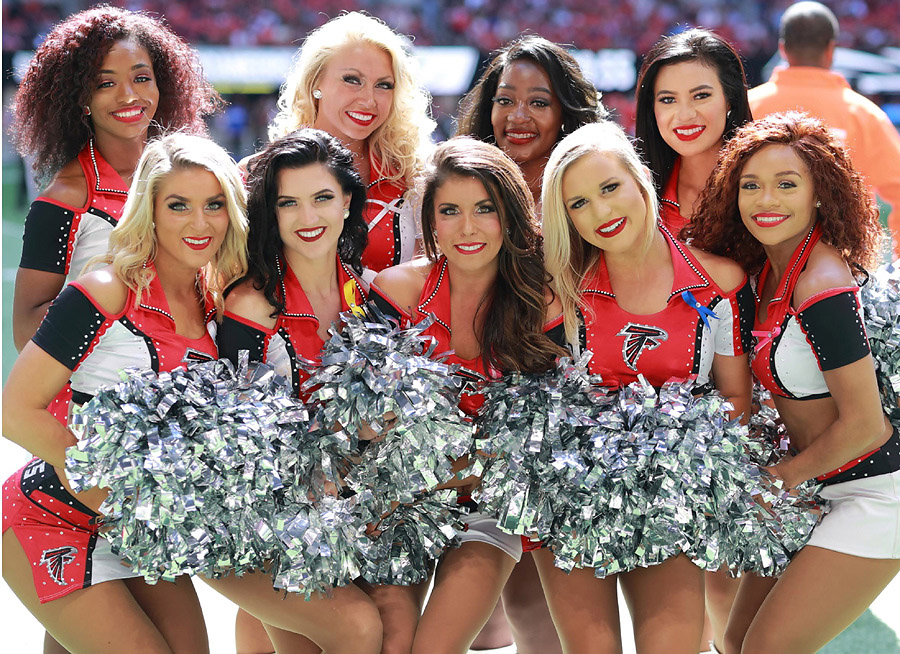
{"x":808,"y":33}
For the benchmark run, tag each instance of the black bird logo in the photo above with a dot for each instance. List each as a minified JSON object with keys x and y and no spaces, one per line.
{"x":639,"y":338}
{"x":55,"y":559}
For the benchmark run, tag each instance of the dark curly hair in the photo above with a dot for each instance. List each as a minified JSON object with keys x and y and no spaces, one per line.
{"x":848,"y":215}
{"x":698,"y":45}
{"x":512,"y":335}
{"x":48,"y":119}
{"x":579,"y":99}
{"x":296,"y":150}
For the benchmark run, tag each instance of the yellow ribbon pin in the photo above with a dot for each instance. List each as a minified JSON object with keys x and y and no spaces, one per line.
{"x":351,"y":297}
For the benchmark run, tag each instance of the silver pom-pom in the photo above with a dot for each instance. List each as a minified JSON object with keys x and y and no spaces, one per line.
{"x":616,"y":481}
{"x":380,"y":376}
{"x":880,"y":299}
{"x":205,"y":466}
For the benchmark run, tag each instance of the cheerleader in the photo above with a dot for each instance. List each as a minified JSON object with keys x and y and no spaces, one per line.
{"x":531,"y":95}
{"x":354,"y":79}
{"x":484,"y":281}
{"x":101,"y":84}
{"x":644,"y":304}
{"x":307,"y":237}
{"x":181,"y":236}
{"x":691,"y":96}
{"x":784,"y":198}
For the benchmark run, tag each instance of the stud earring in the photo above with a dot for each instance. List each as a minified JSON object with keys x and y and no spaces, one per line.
{"x":346,"y":214}
{"x":317,"y":94}
{"x":87,"y":110}
{"x":818,"y":204}
{"x":727,"y":115}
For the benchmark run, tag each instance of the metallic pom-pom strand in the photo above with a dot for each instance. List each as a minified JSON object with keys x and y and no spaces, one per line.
{"x":410,"y":537}
{"x":616,"y":481}
{"x":371,"y":369}
{"x":673,"y":474}
{"x":880,"y":299}
{"x":530,"y":431}
{"x":202,"y":465}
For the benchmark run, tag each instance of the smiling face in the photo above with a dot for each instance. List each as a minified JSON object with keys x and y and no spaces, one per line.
{"x":467,"y":224}
{"x":690,"y":107}
{"x":605,"y":203}
{"x":357,"y":86}
{"x":526,"y":114}
{"x":125,"y":97}
{"x":190,"y":218}
{"x":776,"y":196}
{"x":310,"y":209}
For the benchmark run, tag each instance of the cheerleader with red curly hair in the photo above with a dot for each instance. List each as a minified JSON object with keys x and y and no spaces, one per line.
{"x":102,"y":83}
{"x":785,"y":201}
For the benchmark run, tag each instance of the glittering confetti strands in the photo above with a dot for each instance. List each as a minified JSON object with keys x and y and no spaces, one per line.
{"x":880,"y":299}
{"x":370,"y":369}
{"x":615,"y":481}
{"x":210,"y":471}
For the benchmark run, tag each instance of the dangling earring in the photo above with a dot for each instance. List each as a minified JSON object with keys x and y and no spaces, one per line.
{"x":87,"y":110}
{"x":317,"y":94}
{"x":346,"y":214}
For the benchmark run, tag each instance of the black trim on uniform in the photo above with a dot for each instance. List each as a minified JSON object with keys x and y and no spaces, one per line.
{"x":746,"y":305}
{"x":45,"y":243}
{"x":834,"y":330}
{"x":69,"y":328}
{"x":234,"y":336}
{"x":292,"y":357}
{"x":557,"y":334}
{"x":39,"y":475}
{"x":384,"y":305}
{"x":151,"y":348}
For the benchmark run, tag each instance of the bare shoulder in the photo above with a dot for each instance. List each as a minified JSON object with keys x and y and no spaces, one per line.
{"x":825,"y":269}
{"x":246,"y":301}
{"x":403,"y":284}
{"x":107,"y":290}
{"x":727,"y":274}
{"x":69,"y":186}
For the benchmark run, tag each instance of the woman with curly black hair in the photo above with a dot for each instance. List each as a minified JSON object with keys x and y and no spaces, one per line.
{"x":784,"y":198}
{"x":102,"y":83}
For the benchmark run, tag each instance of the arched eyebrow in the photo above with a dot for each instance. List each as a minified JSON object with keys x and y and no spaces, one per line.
{"x":538,"y":89}
{"x":702,"y":87}
{"x":107,"y":71}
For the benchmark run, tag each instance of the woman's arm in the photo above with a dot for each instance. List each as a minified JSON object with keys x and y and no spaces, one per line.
{"x":860,"y":426}
{"x":732,"y":379}
{"x":34,"y":381}
{"x":45,"y":250}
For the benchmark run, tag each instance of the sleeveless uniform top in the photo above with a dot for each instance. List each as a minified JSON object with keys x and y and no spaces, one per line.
{"x":795,"y":346}
{"x":669,"y":208}
{"x":60,"y":238}
{"x":95,"y":345}
{"x":294,"y":335}
{"x":435,"y":299}
{"x":699,"y":321}
{"x":392,"y":227}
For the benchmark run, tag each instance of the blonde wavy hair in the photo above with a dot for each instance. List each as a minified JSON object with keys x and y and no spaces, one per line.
{"x":567,"y":256}
{"x":401,"y":144}
{"x":133,"y":241}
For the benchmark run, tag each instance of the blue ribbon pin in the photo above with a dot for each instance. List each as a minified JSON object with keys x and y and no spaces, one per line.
{"x":705,"y":312}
